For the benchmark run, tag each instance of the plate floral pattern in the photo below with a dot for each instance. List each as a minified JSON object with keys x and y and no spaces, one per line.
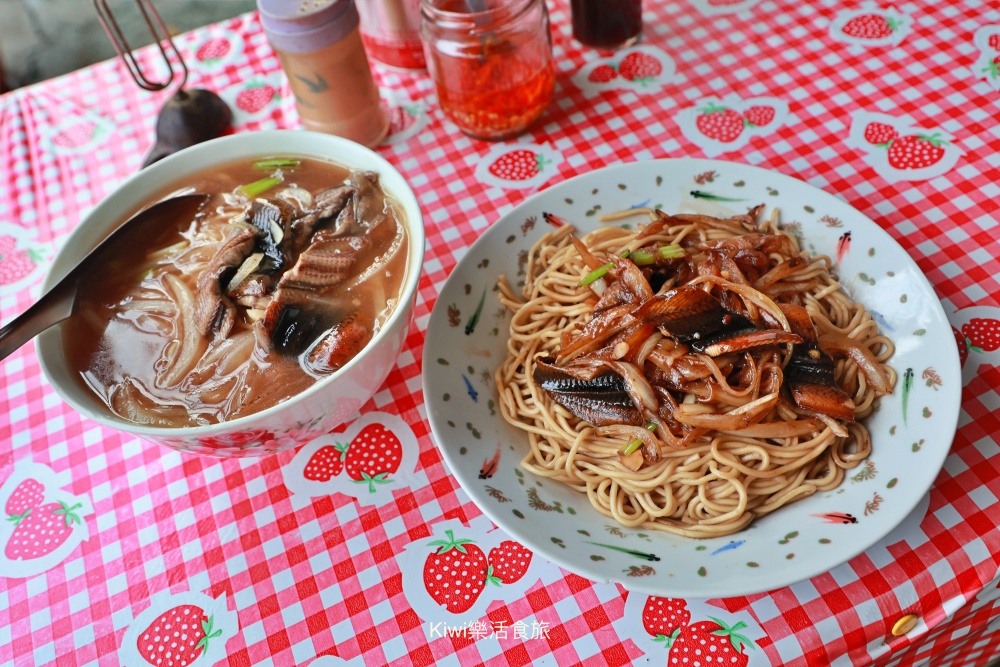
{"x":911,"y":431}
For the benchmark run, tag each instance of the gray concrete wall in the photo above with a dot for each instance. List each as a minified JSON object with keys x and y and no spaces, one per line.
{"x":40,"y":39}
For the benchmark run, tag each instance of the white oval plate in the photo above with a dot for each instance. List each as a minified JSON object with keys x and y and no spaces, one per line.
{"x":911,"y":431}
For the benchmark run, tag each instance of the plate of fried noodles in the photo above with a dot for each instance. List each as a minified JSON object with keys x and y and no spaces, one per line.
{"x":692,"y":377}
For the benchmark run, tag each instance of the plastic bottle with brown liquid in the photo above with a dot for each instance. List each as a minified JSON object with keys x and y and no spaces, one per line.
{"x":320,"y":49}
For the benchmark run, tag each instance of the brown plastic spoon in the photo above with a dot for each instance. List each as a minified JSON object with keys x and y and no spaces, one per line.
{"x":60,"y":302}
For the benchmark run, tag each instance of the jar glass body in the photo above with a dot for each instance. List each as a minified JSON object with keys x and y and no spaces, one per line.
{"x":492,"y":68}
{"x":606,"y":24}
{"x":390,"y":30}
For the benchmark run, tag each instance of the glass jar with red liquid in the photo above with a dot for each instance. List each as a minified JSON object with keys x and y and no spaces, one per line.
{"x":606,"y":24}
{"x":491,"y":61}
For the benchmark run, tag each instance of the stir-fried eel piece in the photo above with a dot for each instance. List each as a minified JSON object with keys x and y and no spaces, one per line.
{"x":737,"y":340}
{"x":249,"y":292}
{"x":809,"y":376}
{"x":597,"y":331}
{"x":368,"y":210}
{"x":290,"y":327}
{"x":324,"y":264}
{"x":615,"y":295}
{"x":686,"y":313}
{"x":840,"y":345}
{"x":631,"y":277}
{"x":800,"y":323}
{"x":626,"y":344}
{"x":606,"y":375}
{"x":339,"y":346}
{"x":273,"y":220}
{"x":831,"y":401}
{"x":599,"y":398}
{"x":298,"y":310}
{"x":581,"y":378}
{"x":213,"y":309}
{"x":345,"y":225}
{"x":328,"y":204}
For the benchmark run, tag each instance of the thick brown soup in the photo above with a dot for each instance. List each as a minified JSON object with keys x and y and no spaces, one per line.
{"x":281,"y":279}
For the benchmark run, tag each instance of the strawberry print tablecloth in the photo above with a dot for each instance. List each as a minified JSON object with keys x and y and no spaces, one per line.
{"x":117,"y":552}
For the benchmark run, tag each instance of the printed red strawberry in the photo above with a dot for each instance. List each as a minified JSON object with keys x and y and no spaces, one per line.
{"x":870,"y":26}
{"x":325,"y":464}
{"x":42,"y":531}
{"x":177,"y":637}
{"x":401,"y":118}
{"x":213,"y":50}
{"x":518,"y":165}
{"x":759,"y":115}
{"x":639,"y":67}
{"x":17,"y":264}
{"x":663,"y":618}
{"x":963,"y":346}
{"x":508,"y":562}
{"x":76,"y":135}
{"x":255,"y":97}
{"x":719,"y":123}
{"x":711,"y":642}
{"x":994,"y":42}
{"x":29,"y":494}
{"x":373,"y":455}
{"x":880,"y":134}
{"x":455,"y":574}
{"x":993,"y":69}
{"x":602,"y":74}
{"x":916,"y":151}
{"x":982,"y":334}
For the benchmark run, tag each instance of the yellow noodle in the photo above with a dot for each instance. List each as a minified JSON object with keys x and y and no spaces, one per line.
{"x":719,"y":483}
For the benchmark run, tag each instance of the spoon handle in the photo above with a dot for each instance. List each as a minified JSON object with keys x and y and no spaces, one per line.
{"x":54,"y":307}
{"x":58,"y":303}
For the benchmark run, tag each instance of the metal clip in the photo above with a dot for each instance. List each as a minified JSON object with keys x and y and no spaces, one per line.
{"x":160,"y":35}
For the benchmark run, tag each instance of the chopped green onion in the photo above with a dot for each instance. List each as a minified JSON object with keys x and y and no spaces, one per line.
{"x":671,"y":252}
{"x":251,"y":190}
{"x":597,"y":273}
{"x":641,"y":258}
{"x":637,"y":443}
{"x":631,"y":447}
{"x":276,"y":163}
{"x":638,"y":257}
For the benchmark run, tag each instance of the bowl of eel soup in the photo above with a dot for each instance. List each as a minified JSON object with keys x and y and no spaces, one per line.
{"x":257,"y":323}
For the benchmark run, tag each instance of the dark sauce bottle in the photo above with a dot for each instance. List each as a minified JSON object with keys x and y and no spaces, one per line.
{"x":606,"y":24}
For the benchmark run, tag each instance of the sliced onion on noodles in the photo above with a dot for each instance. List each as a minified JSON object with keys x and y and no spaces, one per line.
{"x":836,"y":345}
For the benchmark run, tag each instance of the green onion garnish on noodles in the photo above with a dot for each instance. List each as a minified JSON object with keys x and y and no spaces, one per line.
{"x":643,"y":258}
{"x":597,"y":273}
{"x":637,"y":443}
{"x":639,"y":258}
{"x":631,"y":447}
{"x":251,"y":190}
{"x":277,"y":163}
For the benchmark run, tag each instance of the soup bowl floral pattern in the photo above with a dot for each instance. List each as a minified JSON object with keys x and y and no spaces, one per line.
{"x":310,"y":413}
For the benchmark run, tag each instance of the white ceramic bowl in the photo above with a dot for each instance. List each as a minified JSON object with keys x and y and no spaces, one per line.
{"x":310,"y":413}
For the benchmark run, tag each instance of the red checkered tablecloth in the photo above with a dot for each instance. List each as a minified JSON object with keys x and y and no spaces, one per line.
{"x":273,"y":571}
